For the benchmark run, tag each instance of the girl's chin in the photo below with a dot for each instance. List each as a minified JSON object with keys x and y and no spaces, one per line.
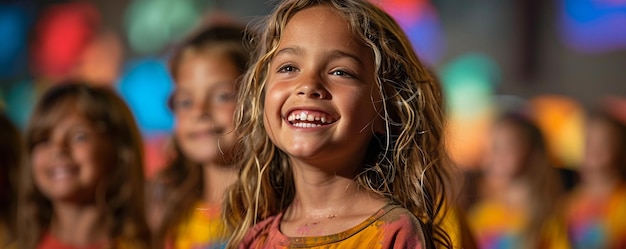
{"x":211,"y":159}
{"x":67,"y":197}
{"x":205,"y":159}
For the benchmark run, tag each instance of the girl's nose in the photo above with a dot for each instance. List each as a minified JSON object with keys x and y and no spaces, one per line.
{"x":312,"y":88}
{"x":203,"y":110}
{"x":310,"y":92}
{"x":59,"y":148}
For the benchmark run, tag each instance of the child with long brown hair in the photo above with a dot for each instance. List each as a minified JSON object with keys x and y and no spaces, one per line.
{"x":342,"y":135}
{"x":83,"y":185}
{"x":595,"y":212}
{"x":519,"y":188}
{"x":190,"y":190}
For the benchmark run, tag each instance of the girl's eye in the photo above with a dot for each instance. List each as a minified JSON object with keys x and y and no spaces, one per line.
{"x":79,"y":136}
{"x":341,"y":73}
{"x":224,"y":97}
{"x":182,"y":104}
{"x":287,"y":69}
{"x":40,"y":143}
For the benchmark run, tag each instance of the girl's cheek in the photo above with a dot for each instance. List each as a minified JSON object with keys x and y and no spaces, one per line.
{"x":180,"y":123}
{"x":36,"y":169}
{"x":37,"y":158}
{"x":227,"y":114}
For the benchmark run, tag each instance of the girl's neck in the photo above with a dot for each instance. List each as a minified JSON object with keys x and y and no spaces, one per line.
{"x":217,"y":179}
{"x":599,"y":184}
{"x":78,"y":224}
{"x":327,"y":204}
{"x":513,"y":193}
{"x":320,"y":193}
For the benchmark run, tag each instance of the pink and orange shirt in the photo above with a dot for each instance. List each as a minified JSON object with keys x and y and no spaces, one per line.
{"x":497,"y":226}
{"x":597,"y":222}
{"x":390,"y":227}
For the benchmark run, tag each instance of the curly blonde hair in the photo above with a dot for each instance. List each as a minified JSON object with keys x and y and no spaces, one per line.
{"x":120,"y":194}
{"x":408,"y":163}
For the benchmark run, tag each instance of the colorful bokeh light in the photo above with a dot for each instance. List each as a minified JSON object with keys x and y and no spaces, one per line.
{"x":20,"y":99}
{"x":419,"y":20}
{"x":101,"y":59}
{"x":594,"y":25}
{"x":152,"y":24}
{"x":468,"y":82}
{"x":14,"y":24}
{"x":562,"y":121}
{"x":62,"y":33}
{"x":146,"y":86}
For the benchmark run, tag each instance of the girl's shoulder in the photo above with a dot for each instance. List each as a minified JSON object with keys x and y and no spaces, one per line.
{"x":404,"y":225}
{"x":258,"y":234}
{"x":203,"y":228}
{"x":395,"y":215}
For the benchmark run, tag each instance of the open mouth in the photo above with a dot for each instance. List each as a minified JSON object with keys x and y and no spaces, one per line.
{"x":206,"y":133}
{"x":62,"y":172}
{"x":309,"y":119}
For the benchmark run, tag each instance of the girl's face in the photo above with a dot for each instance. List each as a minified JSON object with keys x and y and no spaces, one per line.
{"x":70,"y":161}
{"x":203,"y":104}
{"x":321,"y":97}
{"x":509,"y":151}
{"x":602,"y":150}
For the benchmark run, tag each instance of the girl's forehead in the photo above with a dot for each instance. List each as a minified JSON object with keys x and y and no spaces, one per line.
{"x":59,"y":111}
{"x":323,"y":27}
{"x":318,"y":15}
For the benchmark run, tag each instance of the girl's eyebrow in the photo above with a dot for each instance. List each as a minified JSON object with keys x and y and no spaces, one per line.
{"x":336,"y":54}
{"x":297,"y":50}
{"x":333,"y":54}
{"x":80,"y":127}
{"x":221,"y":85}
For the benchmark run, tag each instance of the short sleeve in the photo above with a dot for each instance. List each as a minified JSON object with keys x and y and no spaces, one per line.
{"x":402,"y":230}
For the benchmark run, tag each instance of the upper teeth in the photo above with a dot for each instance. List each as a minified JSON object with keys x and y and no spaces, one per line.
{"x":310,"y":117}
{"x":60,"y":172}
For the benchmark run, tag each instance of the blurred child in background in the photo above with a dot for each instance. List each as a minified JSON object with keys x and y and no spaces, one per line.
{"x":83,"y":187}
{"x":188,"y":193}
{"x":518,"y":188}
{"x":10,"y":160}
{"x":596,"y":210}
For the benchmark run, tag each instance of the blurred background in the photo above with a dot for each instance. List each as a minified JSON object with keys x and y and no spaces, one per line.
{"x":560,"y":57}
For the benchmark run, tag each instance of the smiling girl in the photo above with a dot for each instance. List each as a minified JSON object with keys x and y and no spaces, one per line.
{"x":83,"y":187}
{"x":190,"y":190}
{"x":342,"y":135}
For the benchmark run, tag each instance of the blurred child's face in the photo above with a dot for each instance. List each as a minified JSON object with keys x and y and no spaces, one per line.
{"x":321,"y":98}
{"x":69,"y":163}
{"x":509,"y":151}
{"x":602,"y":149}
{"x":204,"y":103}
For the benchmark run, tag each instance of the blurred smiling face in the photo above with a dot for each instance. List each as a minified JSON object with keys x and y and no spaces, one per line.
{"x":509,"y":151}
{"x":203,"y":104}
{"x":68,"y":162}
{"x":603,"y":149}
